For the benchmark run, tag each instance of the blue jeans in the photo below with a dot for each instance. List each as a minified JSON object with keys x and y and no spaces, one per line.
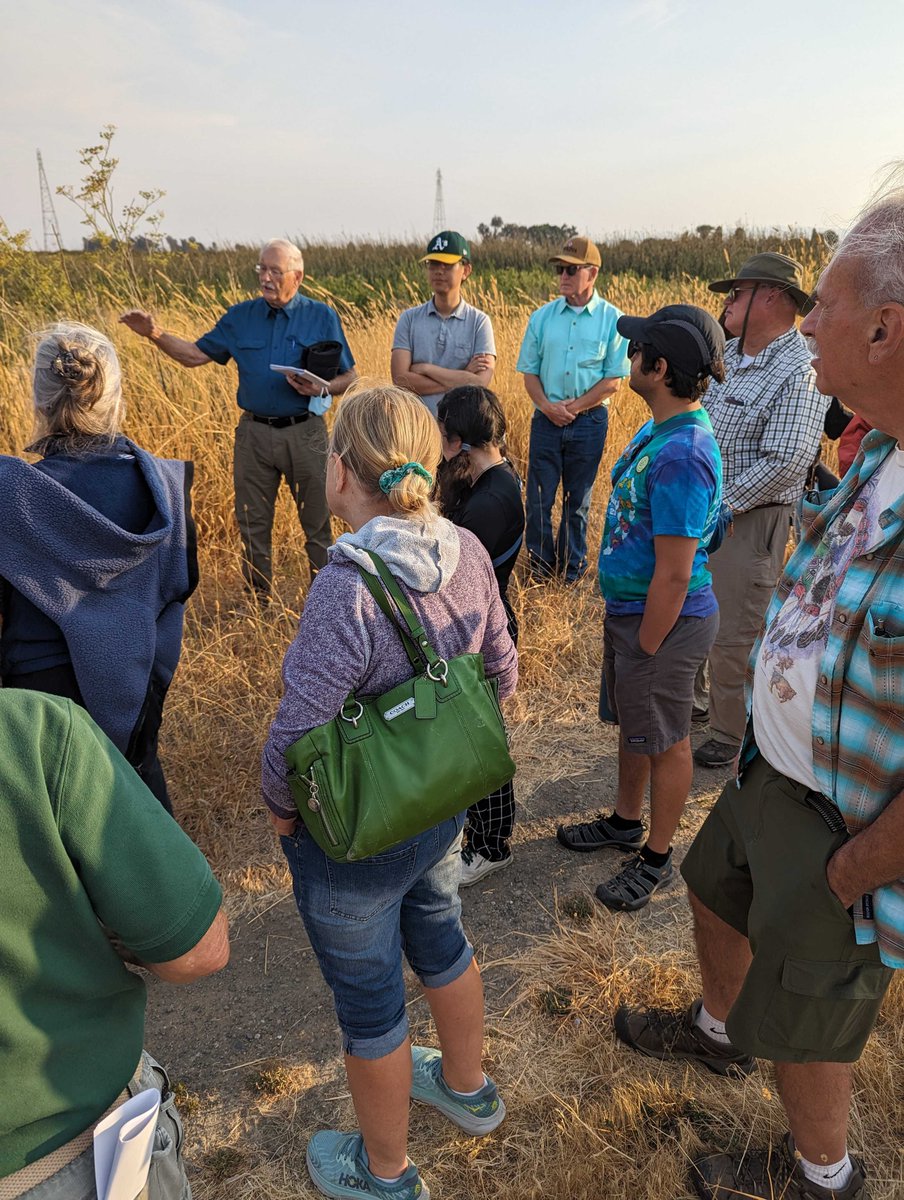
{"x":361,"y":916}
{"x":570,"y":455}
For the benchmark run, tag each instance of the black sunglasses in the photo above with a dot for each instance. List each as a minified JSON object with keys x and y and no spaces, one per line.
{"x":571,"y":270}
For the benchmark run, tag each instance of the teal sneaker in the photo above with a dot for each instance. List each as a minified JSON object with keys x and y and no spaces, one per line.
{"x":475,"y":1114}
{"x":337,"y":1164}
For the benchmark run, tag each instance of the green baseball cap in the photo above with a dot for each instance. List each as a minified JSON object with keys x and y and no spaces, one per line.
{"x":447,"y":247}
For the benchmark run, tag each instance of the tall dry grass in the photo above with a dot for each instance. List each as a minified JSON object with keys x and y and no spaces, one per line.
{"x":228,"y":683}
{"x":586,"y":1120}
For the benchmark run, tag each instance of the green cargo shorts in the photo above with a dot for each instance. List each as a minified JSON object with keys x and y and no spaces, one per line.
{"x":759,"y":862}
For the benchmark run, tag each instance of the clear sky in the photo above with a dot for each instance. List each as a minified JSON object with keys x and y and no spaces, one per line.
{"x":329,"y":118}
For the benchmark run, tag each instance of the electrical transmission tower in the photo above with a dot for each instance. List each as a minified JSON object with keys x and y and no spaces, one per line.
{"x":439,"y":205}
{"x":48,"y":212}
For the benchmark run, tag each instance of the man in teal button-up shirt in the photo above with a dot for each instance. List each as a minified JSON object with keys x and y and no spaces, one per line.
{"x":572,"y":358}
{"x":281,"y":434}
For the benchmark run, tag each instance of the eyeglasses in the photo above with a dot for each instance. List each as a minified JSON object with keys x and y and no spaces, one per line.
{"x":274,"y":273}
{"x":733,"y":293}
{"x":634,"y":348}
{"x":571,"y":270}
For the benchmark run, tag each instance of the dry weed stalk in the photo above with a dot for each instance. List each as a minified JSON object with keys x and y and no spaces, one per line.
{"x":587,"y":1119}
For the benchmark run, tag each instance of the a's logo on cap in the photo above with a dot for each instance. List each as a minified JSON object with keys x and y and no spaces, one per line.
{"x":440,"y":244}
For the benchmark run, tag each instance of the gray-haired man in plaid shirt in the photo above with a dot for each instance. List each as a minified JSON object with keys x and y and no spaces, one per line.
{"x":768,"y":418}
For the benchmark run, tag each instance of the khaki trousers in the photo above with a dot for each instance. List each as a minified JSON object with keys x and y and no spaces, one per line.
{"x":263,"y":457}
{"x":745,"y":569}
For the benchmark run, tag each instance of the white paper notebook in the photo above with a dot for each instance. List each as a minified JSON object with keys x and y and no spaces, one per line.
{"x":123,"y":1143}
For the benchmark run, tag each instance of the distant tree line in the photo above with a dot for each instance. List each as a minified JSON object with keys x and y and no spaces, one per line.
{"x":532,"y":235}
{"x":555,"y":235}
{"x":147,"y":245}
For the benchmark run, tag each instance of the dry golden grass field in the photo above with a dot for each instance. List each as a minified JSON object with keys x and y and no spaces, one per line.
{"x":585,"y":1118}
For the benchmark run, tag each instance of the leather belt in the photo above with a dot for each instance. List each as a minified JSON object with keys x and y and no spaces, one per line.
{"x":280,"y":422}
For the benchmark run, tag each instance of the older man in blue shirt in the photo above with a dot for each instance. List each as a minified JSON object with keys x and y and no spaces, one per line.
{"x":281,"y":433}
{"x":572,"y":358}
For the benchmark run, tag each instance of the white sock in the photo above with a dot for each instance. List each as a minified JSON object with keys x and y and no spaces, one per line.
{"x":476,"y":1091}
{"x":830,"y":1175}
{"x":711,"y":1027}
{"x":383,"y":1179}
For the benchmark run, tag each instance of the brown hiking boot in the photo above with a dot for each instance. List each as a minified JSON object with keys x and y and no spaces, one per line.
{"x":773,"y":1174}
{"x":659,"y":1033}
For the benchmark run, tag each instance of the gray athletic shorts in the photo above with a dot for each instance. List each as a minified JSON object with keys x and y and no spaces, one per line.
{"x":652,"y":695}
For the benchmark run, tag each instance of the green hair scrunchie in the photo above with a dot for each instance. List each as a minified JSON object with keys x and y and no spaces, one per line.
{"x":389,"y":479}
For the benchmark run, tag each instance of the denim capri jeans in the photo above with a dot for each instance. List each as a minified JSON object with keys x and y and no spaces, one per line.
{"x":361,"y":917}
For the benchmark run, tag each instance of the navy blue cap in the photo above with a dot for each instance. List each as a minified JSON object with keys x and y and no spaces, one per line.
{"x":687,"y":337}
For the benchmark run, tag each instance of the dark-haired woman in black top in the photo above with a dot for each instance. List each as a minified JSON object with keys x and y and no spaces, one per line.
{"x":480,"y":491}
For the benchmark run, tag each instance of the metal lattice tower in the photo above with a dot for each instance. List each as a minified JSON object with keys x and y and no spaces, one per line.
{"x":48,"y":212}
{"x":439,"y":205}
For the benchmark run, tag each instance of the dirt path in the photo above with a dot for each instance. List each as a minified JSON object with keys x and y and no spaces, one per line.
{"x":272,"y":1002}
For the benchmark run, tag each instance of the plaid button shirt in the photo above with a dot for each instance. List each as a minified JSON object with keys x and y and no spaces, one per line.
{"x":767,"y":418}
{"x":858,"y":709}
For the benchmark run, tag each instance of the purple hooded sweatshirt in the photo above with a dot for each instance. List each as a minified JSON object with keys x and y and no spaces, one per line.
{"x":345,"y":643}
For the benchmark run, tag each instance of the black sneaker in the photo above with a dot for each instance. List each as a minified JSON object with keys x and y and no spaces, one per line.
{"x":768,"y":1175}
{"x":599,"y":835}
{"x":714,"y":753}
{"x":661,"y":1034}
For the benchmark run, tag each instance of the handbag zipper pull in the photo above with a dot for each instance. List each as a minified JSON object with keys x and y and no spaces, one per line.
{"x":314,"y":798}
{"x":315,"y":806}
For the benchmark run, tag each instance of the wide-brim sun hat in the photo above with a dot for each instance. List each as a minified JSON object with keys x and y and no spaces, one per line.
{"x":773,"y":270}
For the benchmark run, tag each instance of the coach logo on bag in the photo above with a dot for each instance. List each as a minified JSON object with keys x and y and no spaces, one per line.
{"x":398,"y":709}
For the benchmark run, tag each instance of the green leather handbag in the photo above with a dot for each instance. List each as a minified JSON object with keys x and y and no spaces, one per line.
{"x":392,"y":766}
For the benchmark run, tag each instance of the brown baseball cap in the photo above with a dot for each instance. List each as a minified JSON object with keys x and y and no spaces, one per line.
{"x":774,"y":270}
{"x":580,"y":251}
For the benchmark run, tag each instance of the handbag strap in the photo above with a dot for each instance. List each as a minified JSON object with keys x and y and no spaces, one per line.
{"x":420,"y":653}
{"x":502,"y":558}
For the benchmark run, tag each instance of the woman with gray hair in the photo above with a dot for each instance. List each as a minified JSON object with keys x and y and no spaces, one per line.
{"x":97,"y":552}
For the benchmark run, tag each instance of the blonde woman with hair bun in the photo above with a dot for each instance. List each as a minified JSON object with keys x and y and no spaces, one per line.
{"x":361,"y":916}
{"x":97,"y":552}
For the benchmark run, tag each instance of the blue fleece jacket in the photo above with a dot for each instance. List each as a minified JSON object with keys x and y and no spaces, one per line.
{"x":113,"y":575}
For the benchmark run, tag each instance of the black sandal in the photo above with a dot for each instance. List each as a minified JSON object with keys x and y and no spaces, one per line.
{"x":635,"y":883}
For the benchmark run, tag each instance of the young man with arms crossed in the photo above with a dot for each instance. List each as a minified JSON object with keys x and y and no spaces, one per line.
{"x":661,"y":615}
{"x":446,"y":342}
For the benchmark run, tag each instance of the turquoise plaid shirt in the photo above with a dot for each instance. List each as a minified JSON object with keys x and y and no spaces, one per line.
{"x":858,"y":710}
